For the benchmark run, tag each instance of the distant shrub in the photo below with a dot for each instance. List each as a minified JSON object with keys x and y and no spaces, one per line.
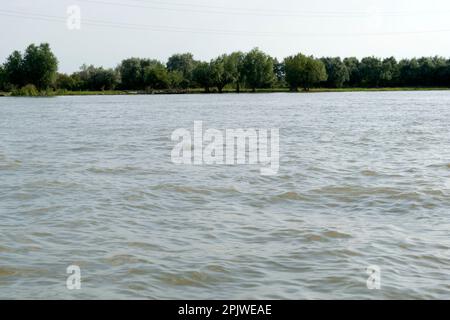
{"x":61,"y":92}
{"x":48,"y":92}
{"x":28,"y":91}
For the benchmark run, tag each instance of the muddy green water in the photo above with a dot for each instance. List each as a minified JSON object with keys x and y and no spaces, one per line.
{"x":364,"y":180}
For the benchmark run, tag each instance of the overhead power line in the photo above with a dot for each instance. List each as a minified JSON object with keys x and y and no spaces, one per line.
{"x":175,"y":29}
{"x":223,"y":10}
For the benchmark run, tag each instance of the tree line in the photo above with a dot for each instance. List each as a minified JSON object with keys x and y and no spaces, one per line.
{"x":37,"y":67}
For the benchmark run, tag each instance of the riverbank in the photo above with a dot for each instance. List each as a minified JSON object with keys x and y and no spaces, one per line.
{"x":268,"y":90}
{"x":202,"y":91}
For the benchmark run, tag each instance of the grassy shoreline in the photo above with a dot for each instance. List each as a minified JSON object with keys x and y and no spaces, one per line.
{"x":201,"y":91}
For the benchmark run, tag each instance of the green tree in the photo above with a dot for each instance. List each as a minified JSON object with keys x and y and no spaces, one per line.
{"x":131,"y":74}
{"x":442,"y":72}
{"x":409,"y":72}
{"x":389,"y":72}
{"x":371,"y":69}
{"x":97,"y":79}
{"x":223,"y":71}
{"x":14,"y":70}
{"x":185,"y":64}
{"x":104,"y":79}
{"x":257,"y":69}
{"x":77,"y":81}
{"x":202,"y":75}
{"x":430,"y":70}
{"x":175,"y":80}
{"x":426,"y":69}
{"x":234,"y":66}
{"x":337,"y":72}
{"x":3,"y":81}
{"x":156,"y":76}
{"x":303,"y":71}
{"x":40,"y":66}
{"x":353,"y":67}
{"x":280,"y":73}
{"x":65,"y":82}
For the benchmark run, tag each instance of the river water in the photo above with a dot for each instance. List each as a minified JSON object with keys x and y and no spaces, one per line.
{"x":364,"y":180}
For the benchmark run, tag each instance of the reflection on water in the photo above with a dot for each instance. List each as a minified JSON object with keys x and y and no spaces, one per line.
{"x":364,"y":180}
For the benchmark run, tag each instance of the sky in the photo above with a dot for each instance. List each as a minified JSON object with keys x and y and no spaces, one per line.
{"x":112,"y":30}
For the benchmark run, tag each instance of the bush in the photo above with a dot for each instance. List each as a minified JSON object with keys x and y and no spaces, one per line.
{"x":28,"y":91}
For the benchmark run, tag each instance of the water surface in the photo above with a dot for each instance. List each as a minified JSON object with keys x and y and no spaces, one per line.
{"x":364,"y":180}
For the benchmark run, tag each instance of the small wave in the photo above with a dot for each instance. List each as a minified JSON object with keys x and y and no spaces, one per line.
{"x":8,"y":272}
{"x":291,"y":196}
{"x":314,"y":237}
{"x":327,"y":235}
{"x":336,"y":235}
{"x":285,"y":233}
{"x":189,"y":279}
{"x":41,"y":184}
{"x":417,"y":132}
{"x":5,"y":249}
{"x":17,"y":272}
{"x":24,"y":196}
{"x":226,"y":190}
{"x":119,"y":260}
{"x":146,"y":246}
{"x":439,"y":165}
{"x":369,"y":173}
{"x":10,"y":165}
{"x":217,"y":268}
{"x":362,"y":191}
{"x":181,"y":189}
{"x":114,"y":170}
{"x":84,"y":149}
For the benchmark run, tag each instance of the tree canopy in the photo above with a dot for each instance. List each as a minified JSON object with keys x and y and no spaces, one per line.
{"x":202,"y":75}
{"x":257,"y":69}
{"x":303,"y":71}
{"x":96,"y":79}
{"x":337,"y":72}
{"x":183,"y":63}
{"x":37,"y":66}
{"x":132,"y":73}
{"x":40,"y":66}
{"x":156,"y":76}
{"x":3,"y":81}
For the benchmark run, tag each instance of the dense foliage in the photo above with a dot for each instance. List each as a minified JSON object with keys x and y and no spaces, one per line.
{"x":36,"y":71}
{"x":303,"y":71}
{"x":37,"y":66}
{"x":258,"y":70}
{"x":3,"y":82}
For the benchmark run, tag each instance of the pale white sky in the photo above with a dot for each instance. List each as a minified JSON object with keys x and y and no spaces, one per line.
{"x":207,"y":28}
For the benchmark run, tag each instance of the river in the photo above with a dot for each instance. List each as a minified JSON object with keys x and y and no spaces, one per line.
{"x":363,"y":182}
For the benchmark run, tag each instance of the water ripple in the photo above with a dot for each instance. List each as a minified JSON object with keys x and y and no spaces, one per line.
{"x":364,"y":180}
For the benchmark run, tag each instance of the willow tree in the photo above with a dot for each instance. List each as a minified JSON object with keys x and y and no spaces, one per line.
{"x":224,"y":70}
{"x":156,"y":76}
{"x":3,"y":81}
{"x":257,"y":69}
{"x":305,"y":72}
{"x":40,"y":66}
{"x":337,"y":72}
{"x":14,"y":70}
{"x":201,"y":75}
{"x":185,"y":64}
